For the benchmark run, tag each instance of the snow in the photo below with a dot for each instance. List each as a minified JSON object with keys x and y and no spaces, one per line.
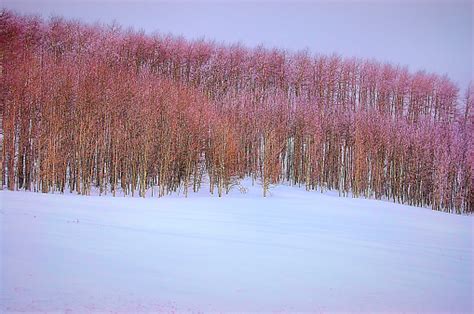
{"x":292,"y":251}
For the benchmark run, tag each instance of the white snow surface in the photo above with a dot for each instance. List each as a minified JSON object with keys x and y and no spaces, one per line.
{"x":294,"y":251}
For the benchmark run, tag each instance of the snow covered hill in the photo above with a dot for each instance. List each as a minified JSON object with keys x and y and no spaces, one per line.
{"x":293,"y":251}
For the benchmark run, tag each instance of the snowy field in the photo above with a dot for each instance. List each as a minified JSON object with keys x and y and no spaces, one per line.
{"x":293,"y":251}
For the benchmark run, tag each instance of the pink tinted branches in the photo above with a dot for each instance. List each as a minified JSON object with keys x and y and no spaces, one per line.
{"x":96,"y":106}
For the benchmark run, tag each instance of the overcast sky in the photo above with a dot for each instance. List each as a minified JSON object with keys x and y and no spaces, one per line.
{"x":436,"y":36}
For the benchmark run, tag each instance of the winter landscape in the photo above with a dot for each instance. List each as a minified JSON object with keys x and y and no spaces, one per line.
{"x":293,"y":252}
{"x":151,"y":172}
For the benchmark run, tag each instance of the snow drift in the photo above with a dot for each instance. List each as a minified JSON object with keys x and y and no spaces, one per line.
{"x":292,"y":251}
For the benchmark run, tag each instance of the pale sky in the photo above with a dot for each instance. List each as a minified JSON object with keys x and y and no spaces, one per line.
{"x":431,"y":35}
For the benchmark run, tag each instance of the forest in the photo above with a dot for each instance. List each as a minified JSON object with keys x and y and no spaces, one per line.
{"x":103,"y":107}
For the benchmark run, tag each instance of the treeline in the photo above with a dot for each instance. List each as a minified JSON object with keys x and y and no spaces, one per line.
{"x":97,"y":106}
